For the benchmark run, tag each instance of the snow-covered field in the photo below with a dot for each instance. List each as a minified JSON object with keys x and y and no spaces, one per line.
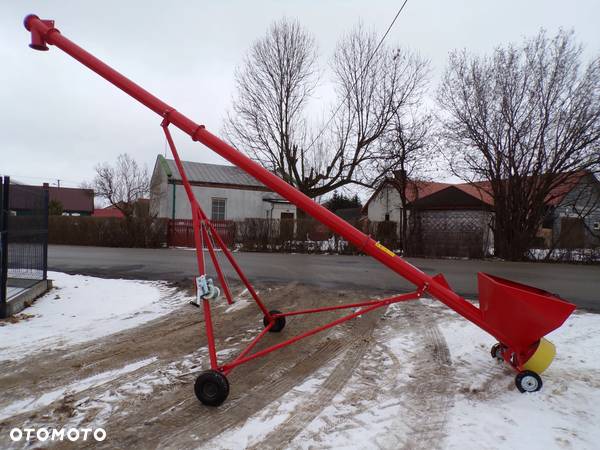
{"x":81,"y":308}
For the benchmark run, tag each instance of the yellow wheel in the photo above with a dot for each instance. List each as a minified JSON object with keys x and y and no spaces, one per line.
{"x":542,"y":358}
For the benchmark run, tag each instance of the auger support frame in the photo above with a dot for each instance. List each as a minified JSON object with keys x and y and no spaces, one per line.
{"x":536,"y":312}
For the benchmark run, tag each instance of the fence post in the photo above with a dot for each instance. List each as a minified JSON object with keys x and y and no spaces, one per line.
{"x":45,"y":212}
{"x":4,"y":244}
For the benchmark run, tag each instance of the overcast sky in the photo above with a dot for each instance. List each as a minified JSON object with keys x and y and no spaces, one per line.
{"x":58,"y":119}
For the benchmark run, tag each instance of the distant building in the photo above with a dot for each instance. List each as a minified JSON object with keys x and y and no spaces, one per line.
{"x":442,"y":219}
{"x":224,"y":193}
{"x":140,"y":209}
{"x":73,"y":201}
{"x":573,"y":219}
{"x":456,"y":219}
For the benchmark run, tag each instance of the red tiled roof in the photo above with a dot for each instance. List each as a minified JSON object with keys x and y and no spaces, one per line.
{"x":557,"y":194}
{"x":73,"y":199}
{"x":481,"y":190}
{"x":416,"y":189}
{"x":109,"y":211}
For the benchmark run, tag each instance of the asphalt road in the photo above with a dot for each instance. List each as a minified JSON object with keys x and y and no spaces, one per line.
{"x":577,"y":283}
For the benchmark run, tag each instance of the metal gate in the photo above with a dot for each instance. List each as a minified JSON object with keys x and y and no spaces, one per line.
{"x":23,"y":238}
{"x":180,"y":232}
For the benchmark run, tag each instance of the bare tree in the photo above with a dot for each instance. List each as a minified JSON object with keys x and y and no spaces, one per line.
{"x":122,"y":184}
{"x":403,"y":159}
{"x":276,"y":83}
{"x":375,"y":86}
{"x":522,"y":120}
{"x":273,"y":88}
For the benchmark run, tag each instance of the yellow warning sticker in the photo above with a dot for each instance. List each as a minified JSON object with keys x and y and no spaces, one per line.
{"x":384,"y":249}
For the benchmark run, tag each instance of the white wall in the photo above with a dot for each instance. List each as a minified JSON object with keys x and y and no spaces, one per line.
{"x":240,"y":204}
{"x":387,"y":201}
{"x":279,"y":208}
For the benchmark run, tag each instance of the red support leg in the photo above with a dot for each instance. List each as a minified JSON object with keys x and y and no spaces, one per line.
{"x":395,"y":299}
{"x":198,"y":241}
{"x":236,"y":363}
{"x":212,"y":352}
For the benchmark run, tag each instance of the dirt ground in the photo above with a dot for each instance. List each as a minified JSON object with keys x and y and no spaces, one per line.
{"x":154,"y":405}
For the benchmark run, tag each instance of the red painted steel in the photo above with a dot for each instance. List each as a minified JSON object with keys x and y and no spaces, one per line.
{"x":549,"y":311}
{"x":389,"y":301}
{"x":526,"y":310}
{"x":415,"y":295}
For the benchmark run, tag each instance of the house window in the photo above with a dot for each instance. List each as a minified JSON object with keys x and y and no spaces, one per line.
{"x":387,"y":217}
{"x":596,"y":225}
{"x":218,"y":209}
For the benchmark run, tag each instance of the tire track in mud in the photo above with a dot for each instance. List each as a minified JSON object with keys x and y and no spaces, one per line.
{"x":337,"y":379}
{"x":348,"y":339}
{"x":429,"y":396}
{"x":418,"y":397}
{"x":170,"y":415}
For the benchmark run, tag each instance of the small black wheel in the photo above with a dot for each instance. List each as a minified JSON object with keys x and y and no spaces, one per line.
{"x":279,"y":322}
{"x":528,"y":381}
{"x":497,"y":351}
{"x":211,"y":388}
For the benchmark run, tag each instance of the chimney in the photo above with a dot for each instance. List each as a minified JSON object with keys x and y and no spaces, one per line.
{"x":399,"y":174}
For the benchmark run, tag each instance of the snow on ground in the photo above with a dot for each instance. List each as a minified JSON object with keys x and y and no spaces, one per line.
{"x":81,"y":308}
{"x":40,"y":401}
{"x":485,"y":411}
{"x":387,"y":400}
{"x":564,"y":414}
{"x":272,"y":416}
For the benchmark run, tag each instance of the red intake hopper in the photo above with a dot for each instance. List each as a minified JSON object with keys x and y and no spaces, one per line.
{"x":520,"y":314}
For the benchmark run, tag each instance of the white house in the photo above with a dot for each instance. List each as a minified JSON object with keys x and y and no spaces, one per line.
{"x":224,"y":193}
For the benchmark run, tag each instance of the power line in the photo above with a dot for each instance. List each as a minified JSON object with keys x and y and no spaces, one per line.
{"x":362,"y":72}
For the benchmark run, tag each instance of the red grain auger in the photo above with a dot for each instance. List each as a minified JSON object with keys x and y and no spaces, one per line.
{"x":517,"y":315}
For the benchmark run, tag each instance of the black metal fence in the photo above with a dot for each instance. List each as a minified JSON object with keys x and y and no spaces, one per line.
{"x":24,"y":238}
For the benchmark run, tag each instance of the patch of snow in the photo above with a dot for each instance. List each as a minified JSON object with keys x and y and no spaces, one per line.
{"x":373,"y":410}
{"x":82,"y":308}
{"x":565,"y":254}
{"x":365,"y":411}
{"x":277,"y":412}
{"x":33,"y":403}
{"x":102,"y":406}
{"x":565,"y":413}
{"x":239,"y":302}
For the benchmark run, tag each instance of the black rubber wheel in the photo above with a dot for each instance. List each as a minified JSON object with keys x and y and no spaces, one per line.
{"x":528,"y":381}
{"x":279,"y":322}
{"x":497,"y":350}
{"x":211,"y":388}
